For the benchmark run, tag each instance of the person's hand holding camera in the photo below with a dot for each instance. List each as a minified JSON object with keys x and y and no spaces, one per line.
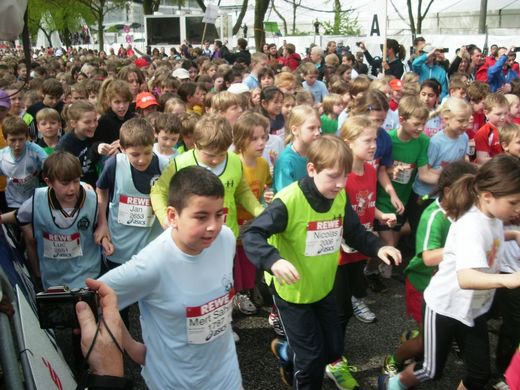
{"x":105,"y":358}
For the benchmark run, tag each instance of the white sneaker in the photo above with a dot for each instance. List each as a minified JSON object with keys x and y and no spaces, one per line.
{"x":243,"y":304}
{"x":362,"y":312}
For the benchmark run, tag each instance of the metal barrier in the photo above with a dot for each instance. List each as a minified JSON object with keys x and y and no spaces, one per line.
{"x":8,"y":351}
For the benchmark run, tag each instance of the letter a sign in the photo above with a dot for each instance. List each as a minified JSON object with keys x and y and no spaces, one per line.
{"x":377,"y":22}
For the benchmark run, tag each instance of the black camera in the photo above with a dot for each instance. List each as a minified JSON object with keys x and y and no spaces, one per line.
{"x":57,"y":306}
{"x":358,"y":44}
{"x":516,"y":49}
{"x":445,"y":50}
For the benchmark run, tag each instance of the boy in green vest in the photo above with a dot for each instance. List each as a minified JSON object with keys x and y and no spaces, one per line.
{"x":212,"y":138}
{"x":297,"y":241}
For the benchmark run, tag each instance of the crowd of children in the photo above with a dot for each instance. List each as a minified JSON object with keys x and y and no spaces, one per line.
{"x":199,"y":188}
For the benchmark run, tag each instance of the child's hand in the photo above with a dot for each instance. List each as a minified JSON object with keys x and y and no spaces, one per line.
{"x":114,"y":148}
{"x":389,"y":253}
{"x":108,"y":247}
{"x":100,"y":232}
{"x":103,"y":149}
{"x":268,"y":195}
{"x":285,"y":272}
{"x":396,"y":202}
{"x":389,"y":219}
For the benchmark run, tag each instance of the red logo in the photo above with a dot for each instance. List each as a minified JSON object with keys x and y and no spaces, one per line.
{"x":54,"y":376}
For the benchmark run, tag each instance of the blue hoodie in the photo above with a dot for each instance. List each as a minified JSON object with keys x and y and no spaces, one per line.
{"x":496,"y":76}
{"x":426,"y":72}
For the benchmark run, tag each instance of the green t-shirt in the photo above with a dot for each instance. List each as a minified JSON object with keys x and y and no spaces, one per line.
{"x":328,"y":126}
{"x":431,"y":234}
{"x":409,"y":156}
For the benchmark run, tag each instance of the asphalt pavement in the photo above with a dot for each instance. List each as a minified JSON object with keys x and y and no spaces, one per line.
{"x":366,"y":345}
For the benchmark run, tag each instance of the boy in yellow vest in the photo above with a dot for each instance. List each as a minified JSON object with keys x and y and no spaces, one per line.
{"x":297,"y":241}
{"x":212,"y":138}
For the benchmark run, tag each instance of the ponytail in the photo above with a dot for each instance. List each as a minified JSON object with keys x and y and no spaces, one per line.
{"x":461,"y":197}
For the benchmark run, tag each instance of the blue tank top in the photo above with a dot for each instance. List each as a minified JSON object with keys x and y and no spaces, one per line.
{"x":69,"y":255}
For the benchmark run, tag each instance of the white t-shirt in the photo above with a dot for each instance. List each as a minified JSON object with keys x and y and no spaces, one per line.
{"x":185,"y":304}
{"x":510,"y":256}
{"x":474,"y":241}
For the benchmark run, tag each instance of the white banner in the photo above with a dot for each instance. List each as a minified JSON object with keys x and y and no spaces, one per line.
{"x":376,"y":27}
{"x":211,"y":14}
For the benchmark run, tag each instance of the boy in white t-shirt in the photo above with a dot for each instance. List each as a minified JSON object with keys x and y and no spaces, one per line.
{"x":183,"y":281}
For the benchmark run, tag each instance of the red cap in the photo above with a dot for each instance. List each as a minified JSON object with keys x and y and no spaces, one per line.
{"x":141,"y":62}
{"x":396,"y":84}
{"x":145,"y":99}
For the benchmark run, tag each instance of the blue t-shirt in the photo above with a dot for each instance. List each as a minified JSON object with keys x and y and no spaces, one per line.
{"x":318,"y":90}
{"x":441,"y":151}
{"x":383,"y":155}
{"x":289,"y":168}
{"x":251,"y":81}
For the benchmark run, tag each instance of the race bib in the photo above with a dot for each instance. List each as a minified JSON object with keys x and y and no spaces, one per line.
{"x":62,"y":246}
{"x":206,"y":322}
{"x":135,"y":211}
{"x":323,"y":237}
{"x":403,"y":172}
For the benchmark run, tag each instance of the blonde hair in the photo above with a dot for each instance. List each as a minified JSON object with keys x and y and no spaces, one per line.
{"x":511,"y":98}
{"x":507,"y":133}
{"x":212,"y":132}
{"x":297,"y":117}
{"x":46,"y":114}
{"x":223,"y":100}
{"x":244,"y":129}
{"x":412,"y":106}
{"x":453,"y":106}
{"x":173,"y":102}
{"x":493,"y":100}
{"x":330,"y":101}
{"x":308,"y":68}
{"x":354,"y":127}
{"x":329,"y":151}
{"x":258,"y":57}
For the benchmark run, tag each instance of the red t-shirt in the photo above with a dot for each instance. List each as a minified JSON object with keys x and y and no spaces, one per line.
{"x":361,"y":190}
{"x":516,"y":120}
{"x":486,"y":140}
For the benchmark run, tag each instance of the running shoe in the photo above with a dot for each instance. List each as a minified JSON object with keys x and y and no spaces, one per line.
{"x":362,"y":312}
{"x":341,"y":373}
{"x":390,"y":366}
{"x":375,"y":283}
{"x":408,"y":335}
{"x":243,"y":304}
{"x":275,"y":322}
{"x":279,"y":350}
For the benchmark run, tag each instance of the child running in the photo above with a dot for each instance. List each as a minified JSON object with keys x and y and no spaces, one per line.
{"x":297,"y":241}
{"x":250,"y":134}
{"x":183,"y":282}
{"x":461,"y":292}
{"x":430,"y":239}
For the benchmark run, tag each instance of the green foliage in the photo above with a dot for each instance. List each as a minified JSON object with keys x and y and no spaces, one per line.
{"x":52,"y":15}
{"x":344,"y":24}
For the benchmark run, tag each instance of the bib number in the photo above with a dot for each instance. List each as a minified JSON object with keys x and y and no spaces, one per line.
{"x":323,"y":237}
{"x":62,"y":246}
{"x":402,"y":172}
{"x":135,"y":211}
{"x":209,"y":321}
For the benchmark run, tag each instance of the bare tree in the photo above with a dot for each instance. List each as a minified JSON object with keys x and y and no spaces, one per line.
{"x":284,"y":21}
{"x":240,"y":17}
{"x":415,"y":24}
{"x":261,"y":7}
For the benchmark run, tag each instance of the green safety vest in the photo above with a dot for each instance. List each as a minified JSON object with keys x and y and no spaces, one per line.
{"x":230,"y":178}
{"x":311,"y":242}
